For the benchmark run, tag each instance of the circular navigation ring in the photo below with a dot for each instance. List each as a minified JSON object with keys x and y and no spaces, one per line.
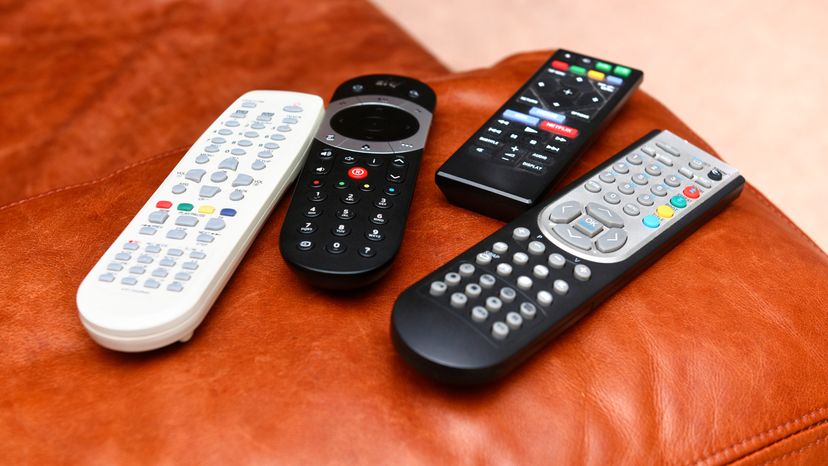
{"x":375,"y":122}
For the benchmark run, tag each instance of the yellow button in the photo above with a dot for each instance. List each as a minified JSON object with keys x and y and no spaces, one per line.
{"x":208,"y":209}
{"x":664,"y":211}
{"x":597,"y":75}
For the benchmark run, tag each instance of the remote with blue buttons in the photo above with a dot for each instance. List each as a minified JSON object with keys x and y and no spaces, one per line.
{"x":528,"y":144}
{"x":156,"y":282}
{"x":486,"y":311}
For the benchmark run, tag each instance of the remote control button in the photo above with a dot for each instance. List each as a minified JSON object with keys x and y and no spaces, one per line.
{"x":305,"y":245}
{"x":341,"y":184}
{"x":479,"y":314}
{"x":195,"y":175}
{"x":703,"y":182}
{"x":186,"y":221}
{"x":153,"y":248}
{"x":129,"y":281}
{"x":664,"y":160}
{"x":452,"y":278}
{"x":626,"y":188}
{"x":211,"y":148}
{"x":520,"y":258}
{"x":284,"y":129}
{"x":659,"y":190}
{"x":640,"y":179}
{"x":218,"y":177}
{"x":524,"y":282}
{"x":544,"y":298}
{"x":160,"y":273}
{"x":473,"y":290}
{"x":612,"y":198}
{"x":487,"y":280}
{"x":350,"y":198}
{"x":295,"y":108}
{"x":377,"y":162}
{"x":560,"y":65}
{"x":137,"y":270}
{"x":518,"y":117}
{"x":466,"y":270}
{"x":123,"y":256}
{"x":607,"y":177}
{"x":669,"y":149}
{"x":159,"y":217}
{"x":691,"y":192}
{"x":635,"y":159}
{"x":317,"y":196}
{"x":514,"y":320}
{"x":237,"y":151}
{"x":582,"y":272}
{"x":621,"y":168}
{"x":175,"y":287}
{"x":205,"y":238}
{"x":588,"y":226}
{"x":631,"y":209}
{"x":115,"y":267}
{"x":349,"y":159}
{"x":176,"y":234}
{"x":678,"y":201}
{"x":556,"y":261}
{"x":209,"y":191}
{"x":307,"y":228}
{"x":565,"y":212}
{"x":715,"y":175}
{"x":547,"y":115}
{"x":437,"y":288}
{"x":357,"y":173}
{"x":596,"y":75}
{"x":341,"y":230}
{"x":206,"y":209}
{"x":684,"y":171}
{"x":228,"y":212}
{"x":367,"y":187}
{"x":345,"y":214}
{"x":214,"y":224}
{"x":378,"y":219}
{"x":367,"y":251}
{"x":398,"y":161}
{"x":664,"y":211}
{"x":335,"y":247}
{"x":317,"y":183}
{"x":521,"y":233}
{"x":483,"y":258}
{"x":257,"y":125}
{"x":540,"y":272}
{"x":236,"y":195}
{"x":251,"y":134}
{"x":651,"y":221}
{"x":395,"y":175}
{"x":175,"y":252}
{"x":231,"y":123}
{"x":528,"y":311}
{"x":190,"y":265}
{"x":592,"y":186}
{"x":290,"y":120}
{"x":179,"y":189}
{"x":648,"y":150}
{"x":391,"y":191}
{"x":622,"y":71}
{"x":504,"y":269}
{"x":131,"y":246}
{"x":229,"y":164}
{"x":185,"y":207}
{"x":611,"y":241}
{"x":555,"y":128}
{"x":500,"y":331}
{"x":167,"y":262}
{"x":313,"y":212}
{"x":182,"y":276}
{"x":459,"y":300}
{"x":374,"y":235}
{"x":536,"y":248}
{"x":696,"y":164}
{"x":225,"y":132}
{"x":672,"y":181}
{"x":645,"y":200}
{"x":561,"y":287}
{"x":266,"y":154}
{"x":144,"y":259}
{"x":277,"y":137}
{"x":493,"y":304}
{"x":500,"y":248}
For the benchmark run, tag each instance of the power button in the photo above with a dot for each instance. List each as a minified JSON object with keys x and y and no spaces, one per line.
{"x":357,"y":173}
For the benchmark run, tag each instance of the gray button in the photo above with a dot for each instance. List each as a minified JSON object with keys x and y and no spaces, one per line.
{"x":536,"y":248}
{"x":571,"y":236}
{"x":528,"y":311}
{"x":640,"y":179}
{"x":130,"y":246}
{"x":653,"y":169}
{"x":197,"y":255}
{"x":202,"y":159}
{"x":703,"y":182}
{"x":205,"y":238}
{"x":218,"y":140}
{"x":264,"y":118}
{"x":129,"y":281}
{"x":290,"y":120}
{"x":258,"y":165}
{"x":167,"y":262}
{"x":696,"y":164}
{"x":649,"y":151}
{"x":209,"y":191}
{"x":669,"y":149}
{"x":265,"y":154}
{"x":147,"y":231}
{"x":556,"y":261}
{"x":107,"y":277}
{"x":137,"y":269}
{"x":514,"y":320}
{"x":466,"y":270}
{"x":612,"y":240}
{"x":607,"y":177}
{"x":544,"y":298}
{"x":225,"y":132}
{"x":175,"y":252}
{"x":524,"y":282}
{"x":151,"y":284}
{"x":159,"y":217}
{"x":257,"y":125}
{"x":500,"y":248}
{"x":145,"y":259}
{"x":249,"y":104}
{"x":186,"y":221}
{"x":487,"y":280}
{"x":561,"y":287}
{"x":664,"y":160}
{"x":631,"y":209}
{"x":521,"y":233}
{"x":520,"y":258}
{"x":211,"y":148}
{"x":277,"y":137}
{"x":159,"y":272}
{"x":500,"y":331}
{"x":592,"y":186}
{"x":283,"y":129}
{"x":178,"y":189}
{"x":493,"y":304}
{"x":507,"y":295}
{"x":236,"y":195}
{"x":218,"y":177}
{"x":115,"y":267}
{"x":588,"y":226}
{"x":237,"y":151}
{"x":612,"y":198}
{"x":473,"y":290}
{"x":635,"y":159}
{"x":182,"y":276}
{"x":153,"y":248}
{"x":190,"y":265}
{"x":176,"y":234}
{"x":582,"y":272}
{"x":483,"y":258}
{"x":626,"y":188}
{"x":231,"y":123}
{"x":452,"y":278}
{"x":251,"y":134}
{"x":504,"y":269}
{"x":479,"y":314}
{"x":175,"y":286}
{"x":123,"y":256}
{"x":215,"y":224}
{"x":605,"y":215}
{"x":659,"y":190}
{"x":540,"y":271}
{"x":459,"y":300}
{"x":621,"y":167}
{"x":244,"y":143}
{"x":437,"y":288}
{"x":271,"y":146}
{"x":686,"y":172}
{"x":645,"y":199}
{"x":292,"y":109}
{"x":229,"y":164}
{"x":242,"y":180}
{"x":672,"y":181}
{"x":565,"y":212}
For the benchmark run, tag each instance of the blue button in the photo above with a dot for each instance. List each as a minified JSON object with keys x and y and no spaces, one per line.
{"x":651,"y":221}
{"x":547,"y":115}
{"x":615,"y":80}
{"x":678,"y":201}
{"x":520,"y":118}
{"x":228,"y":212}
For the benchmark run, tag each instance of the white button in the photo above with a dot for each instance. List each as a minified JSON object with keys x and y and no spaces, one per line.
{"x":544,"y":298}
{"x":561,"y":287}
{"x":514,"y":320}
{"x":493,"y":303}
{"x":479,"y":314}
{"x":556,"y":261}
{"x":528,"y":310}
{"x":466,"y":270}
{"x":487,"y":280}
{"x":520,"y":258}
{"x":437,"y":288}
{"x":500,"y":330}
{"x":524,"y":282}
{"x":483,"y":258}
{"x":536,"y":248}
{"x":507,"y":295}
{"x":452,"y":278}
{"x":582,"y":272}
{"x":540,"y":271}
{"x":500,"y":248}
{"x":504,"y":269}
{"x":458,"y":300}
{"x":521,"y":233}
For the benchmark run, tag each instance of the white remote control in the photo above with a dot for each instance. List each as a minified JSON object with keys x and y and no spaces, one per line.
{"x":156,"y":282}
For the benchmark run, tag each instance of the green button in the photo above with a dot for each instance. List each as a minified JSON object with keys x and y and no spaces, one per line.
{"x":186,"y":207}
{"x":622,"y":71}
{"x":577,"y":70}
{"x":605,"y":67}
{"x":678,"y":201}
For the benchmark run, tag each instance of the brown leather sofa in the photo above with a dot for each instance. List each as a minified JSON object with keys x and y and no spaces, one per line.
{"x":716,"y":354}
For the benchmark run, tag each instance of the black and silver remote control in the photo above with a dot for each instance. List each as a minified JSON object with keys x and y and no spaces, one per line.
{"x":528,"y":144}
{"x":489,"y":309}
{"x":346,"y":220}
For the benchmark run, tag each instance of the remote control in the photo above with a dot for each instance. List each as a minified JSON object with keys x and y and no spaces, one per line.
{"x":346,"y":220}
{"x":529,"y":143}
{"x":156,"y":282}
{"x":487,"y":310}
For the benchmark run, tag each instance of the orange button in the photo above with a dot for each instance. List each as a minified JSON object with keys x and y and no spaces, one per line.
{"x":357,"y":173}
{"x":692,"y":192}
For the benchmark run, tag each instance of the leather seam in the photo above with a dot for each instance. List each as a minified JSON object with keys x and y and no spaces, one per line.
{"x":780,"y":427}
{"x":95,"y":181}
{"x":784,"y":217}
{"x":808,"y":445}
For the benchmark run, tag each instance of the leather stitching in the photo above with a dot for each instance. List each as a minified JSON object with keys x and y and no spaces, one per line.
{"x":95,"y":181}
{"x":784,"y":217}
{"x":706,"y":457}
{"x":796,"y":452}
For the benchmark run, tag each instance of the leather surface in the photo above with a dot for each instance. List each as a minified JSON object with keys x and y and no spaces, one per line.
{"x":714,"y":354}
{"x":87,"y":90}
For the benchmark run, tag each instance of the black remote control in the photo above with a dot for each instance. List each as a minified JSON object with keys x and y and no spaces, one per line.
{"x":489,"y":309}
{"x":346,"y":220}
{"x":528,"y":144}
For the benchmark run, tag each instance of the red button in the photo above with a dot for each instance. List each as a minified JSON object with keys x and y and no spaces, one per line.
{"x":163,"y":204}
{"x":560,"y":130}
{"x":357,"y":173}
{"x":560,"y":65}
{"x":692,"y":192}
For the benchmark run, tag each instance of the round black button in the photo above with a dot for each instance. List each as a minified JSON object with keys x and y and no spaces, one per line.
{"x":335,"y":247}
{"x":326,"y":154}
{"x":367,"y":251}
{"x":715,"y":175}
{"x":349,"y":160}
{"x":374,"y":235}
{"x":382,"y":203}
{"x":366,"y":187}
{"x":399,"y":161}
{"x":317,"y":183}
{"x":350,"y":198}
{"x":379,"y":219}
{"x":345,"y":214}
{"x":375,"y":122}
{"x":317,"y":196}
{"x":392,"y":190}
{"x":374,"y":162}
{"x":341,"y":230}
{"x":342,"y":184}
{"x":307,"y":228}
{"x":313,"y":212}
{"x":305,"y":245}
